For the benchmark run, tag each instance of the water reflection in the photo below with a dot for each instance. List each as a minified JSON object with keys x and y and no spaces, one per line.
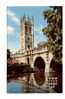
{"x":17,"y":86}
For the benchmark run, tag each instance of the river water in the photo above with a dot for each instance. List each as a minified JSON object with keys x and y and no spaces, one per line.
{"x":15,"y":86}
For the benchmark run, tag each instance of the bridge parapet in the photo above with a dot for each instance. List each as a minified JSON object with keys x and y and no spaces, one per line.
{"x":30,"y":52}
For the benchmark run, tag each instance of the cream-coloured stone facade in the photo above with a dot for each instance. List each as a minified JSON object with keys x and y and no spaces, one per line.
{"x":26,"y":33}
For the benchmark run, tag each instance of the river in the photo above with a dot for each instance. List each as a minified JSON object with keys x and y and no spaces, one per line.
{"x":16,"y":86}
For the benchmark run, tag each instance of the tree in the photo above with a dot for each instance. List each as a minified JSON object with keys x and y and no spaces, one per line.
{"x":54,"y":31}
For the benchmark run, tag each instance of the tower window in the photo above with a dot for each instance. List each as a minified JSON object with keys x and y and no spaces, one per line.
{"x":30,"y":29}
{"x":28,"y":38}
{"x":28,"y":46}
{"x":26,"y":28}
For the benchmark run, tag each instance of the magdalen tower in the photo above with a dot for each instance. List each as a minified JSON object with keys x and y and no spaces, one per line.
{"x":26,"y":34}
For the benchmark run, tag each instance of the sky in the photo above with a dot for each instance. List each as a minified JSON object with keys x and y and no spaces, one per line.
{"x":14,"y":14}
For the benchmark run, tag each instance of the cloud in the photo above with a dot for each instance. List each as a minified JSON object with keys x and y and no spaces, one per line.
{"x":10,"y":30}
{"x":13,"y":16}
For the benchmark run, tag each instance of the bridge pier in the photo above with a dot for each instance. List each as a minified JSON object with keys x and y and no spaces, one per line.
{"x":47,"y":67}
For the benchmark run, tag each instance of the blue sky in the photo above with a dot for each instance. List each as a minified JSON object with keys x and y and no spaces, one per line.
{"x":14,"y":15}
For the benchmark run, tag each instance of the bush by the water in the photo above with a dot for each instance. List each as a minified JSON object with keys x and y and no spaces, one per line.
{"x":19,"y":69}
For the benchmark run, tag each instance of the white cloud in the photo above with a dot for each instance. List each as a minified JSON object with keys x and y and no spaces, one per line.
{"x":10,"y":30}
{"x":13,"y":16}
{"x":10,"y":13}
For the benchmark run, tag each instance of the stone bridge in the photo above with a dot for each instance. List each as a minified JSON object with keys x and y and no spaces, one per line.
{"x":40,"y":60}
{"x":48,"y":72}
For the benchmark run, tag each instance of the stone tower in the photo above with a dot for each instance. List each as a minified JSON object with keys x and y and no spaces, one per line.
{"x":26,"y":38}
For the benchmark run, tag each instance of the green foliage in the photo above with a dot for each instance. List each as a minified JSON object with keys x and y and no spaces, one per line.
{"x":20,"y":68}
{"x":54,"y":31}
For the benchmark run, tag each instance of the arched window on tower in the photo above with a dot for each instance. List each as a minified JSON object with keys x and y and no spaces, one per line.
{"x":26,"y":28}
{"x":30,"y":29}
{"x":28,"y":46}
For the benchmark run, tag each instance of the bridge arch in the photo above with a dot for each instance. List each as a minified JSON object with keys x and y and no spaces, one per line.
{"x":39,"y":65}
